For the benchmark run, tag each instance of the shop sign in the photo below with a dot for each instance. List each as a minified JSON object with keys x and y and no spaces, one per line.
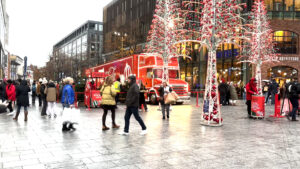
{"x":227,"y":53}
{"x":295,"y":58}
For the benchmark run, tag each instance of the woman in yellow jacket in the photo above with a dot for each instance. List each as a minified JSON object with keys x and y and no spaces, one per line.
{"x":108,"y":94}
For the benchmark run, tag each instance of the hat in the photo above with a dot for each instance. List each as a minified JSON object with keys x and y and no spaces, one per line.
{"x":69,"y":80}
{"x":40,"y":80}
{"x":45,"y":81}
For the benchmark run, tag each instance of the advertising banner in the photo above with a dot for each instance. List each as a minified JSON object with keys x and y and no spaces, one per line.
{"x":258,"y":106}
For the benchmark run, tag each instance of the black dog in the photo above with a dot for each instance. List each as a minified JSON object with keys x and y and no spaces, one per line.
{"x":68,"y":126}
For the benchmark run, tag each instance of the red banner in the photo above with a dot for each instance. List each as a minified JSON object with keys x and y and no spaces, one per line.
{"x":258,"y":106}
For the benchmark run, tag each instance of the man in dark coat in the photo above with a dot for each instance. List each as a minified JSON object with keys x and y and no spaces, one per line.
{"x":3,"y":96}
{"x":132,"y":103}
{"x":44,"y":98}
{"x":223,"y":89}
{"x":274,"y":86}
{"x":22,"y":99}
{"x":293,"y":97}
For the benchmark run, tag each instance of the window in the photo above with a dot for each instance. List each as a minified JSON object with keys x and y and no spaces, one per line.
{"x":158,"y":73}
{"x":283,"y":9}
{"x":286,"y":42}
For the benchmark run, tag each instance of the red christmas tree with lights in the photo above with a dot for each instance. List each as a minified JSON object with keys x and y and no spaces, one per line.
{"x":163,"y":31}
{"x":220,"y":22}
{"x":259,"y":48}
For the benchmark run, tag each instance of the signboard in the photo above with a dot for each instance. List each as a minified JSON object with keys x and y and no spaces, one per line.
{"x":294,"y":58}
{"x":258,"y":106}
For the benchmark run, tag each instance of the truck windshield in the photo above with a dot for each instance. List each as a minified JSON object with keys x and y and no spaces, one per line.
{"x":173,"y":74}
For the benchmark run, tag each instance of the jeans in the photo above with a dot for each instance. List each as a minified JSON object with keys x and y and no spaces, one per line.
{"x":33,"y":98}
{"x":249,"y":107}
{"x":223,"y":99}
{"x":44,"y":109}
{"x":267,"y":95}
{"x":10,"y":106}
{"x":51,"y":108}
{"x":164,"y":108}
{"x":135,"y":112}
{"x":19,"y":108}
{"x":40,"y":100}
{"x":295,"y":104}
{"x":273,"y":98}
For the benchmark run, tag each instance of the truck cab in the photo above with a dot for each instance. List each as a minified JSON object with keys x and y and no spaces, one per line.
{"x":150,"y":71}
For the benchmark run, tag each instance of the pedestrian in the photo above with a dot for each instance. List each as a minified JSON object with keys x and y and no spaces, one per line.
{"x":50,"y":92}
{"x":293,"y":93}
{"x":33,"y":90}
{"x":251,"y":89}
{"x":44,"y":97}
{"x":132,"y":103}
{"x":22,"y":99}
{"x":142,"y":100}
{"x":108,"y":94}
{"x":223,"y":89}
{"x":38,"y":92}
{"x":164,"y":90}
{"x":11,"y":95}
{"x":233,"y":94}
{"x":67,"y":100}
{"x":266,"y":91}
{"x":117,"y":86}
{"x":273,"y":90}
{"x":3,"y":96}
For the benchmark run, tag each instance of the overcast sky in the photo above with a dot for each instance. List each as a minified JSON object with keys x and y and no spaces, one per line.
{"x":36,"y":25}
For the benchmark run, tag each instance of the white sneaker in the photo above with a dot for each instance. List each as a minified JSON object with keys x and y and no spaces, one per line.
{"x":124,"y":133}
{"x":144,"y":132}
{"x":10,"y":114}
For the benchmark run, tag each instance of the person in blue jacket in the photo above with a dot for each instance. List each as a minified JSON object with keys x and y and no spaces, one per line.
{"x":67,"y":100}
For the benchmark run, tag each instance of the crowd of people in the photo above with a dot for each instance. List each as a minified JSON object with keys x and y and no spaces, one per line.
{"x":228,"y":93}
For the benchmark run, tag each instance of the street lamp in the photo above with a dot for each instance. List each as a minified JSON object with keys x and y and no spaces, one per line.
{"x":123,"y":36}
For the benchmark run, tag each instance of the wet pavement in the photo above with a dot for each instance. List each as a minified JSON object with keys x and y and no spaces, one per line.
{"x":180,"y":142}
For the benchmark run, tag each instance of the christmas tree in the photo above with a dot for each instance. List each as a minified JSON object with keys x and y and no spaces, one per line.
{"x":220,"y":23}
{"x":162,"y":34}
{"x":259,"y":48}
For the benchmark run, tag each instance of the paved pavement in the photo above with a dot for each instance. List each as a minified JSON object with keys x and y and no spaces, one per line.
{"x":180,"y":142}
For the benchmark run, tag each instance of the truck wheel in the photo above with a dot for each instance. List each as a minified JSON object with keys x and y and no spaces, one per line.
{"x":153,"y":99}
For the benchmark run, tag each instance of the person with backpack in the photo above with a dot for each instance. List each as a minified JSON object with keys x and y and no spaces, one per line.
{"x":33,"y":89}
{"x":108,"y":94}
{"x":50,"y":92}
{"x":293,"y":95}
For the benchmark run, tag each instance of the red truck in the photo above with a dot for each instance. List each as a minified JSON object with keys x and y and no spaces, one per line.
{"x":149,"y":70}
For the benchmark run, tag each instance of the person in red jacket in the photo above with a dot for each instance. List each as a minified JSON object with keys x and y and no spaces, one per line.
{"x":11,"y":94}
{"x":251,"y":89}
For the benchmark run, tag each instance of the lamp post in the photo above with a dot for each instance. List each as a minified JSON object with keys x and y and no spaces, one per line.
{"x":123,"y":37}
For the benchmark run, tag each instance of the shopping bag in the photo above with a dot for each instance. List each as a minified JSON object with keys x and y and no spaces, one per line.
{"x":170,"y":99}
{"x":175,"y":95}
{"x":287,"y":106}
{"x":70,"y":114}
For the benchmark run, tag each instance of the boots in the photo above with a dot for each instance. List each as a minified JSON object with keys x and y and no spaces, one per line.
{"x":16,"y":117}
{"x":25,"y":115}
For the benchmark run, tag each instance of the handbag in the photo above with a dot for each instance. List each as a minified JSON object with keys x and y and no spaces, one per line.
{"x":70,"y":114}
{"x":170,"y":99}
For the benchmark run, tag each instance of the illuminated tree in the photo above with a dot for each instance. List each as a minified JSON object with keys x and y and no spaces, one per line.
{"x":260,"y":48}
{"x":162,"y":34}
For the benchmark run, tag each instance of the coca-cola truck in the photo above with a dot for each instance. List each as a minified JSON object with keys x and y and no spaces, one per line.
{"x":149,"y":69}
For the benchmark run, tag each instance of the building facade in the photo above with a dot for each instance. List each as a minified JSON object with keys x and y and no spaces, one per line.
{"x":127,"y":16}
{"x":126,"y":24}
{"x":4,"y":26}
{"x":79,"y":50}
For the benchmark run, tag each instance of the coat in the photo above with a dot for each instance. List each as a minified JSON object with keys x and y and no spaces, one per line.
{"x":108,"y":94}
{"x":132,"y":97}
{"x":11,"y":92}
{"x":3,"y":91}
{"x":251,"y":89}
{"x":38,"y":89}
{"x":223,"y":89}
{"x":42,"y":91}
{"x":68,"y":95}
{"x":22,"y":94}
{"x":162,"y":93}
{"x":233,"y":93}
{"x":50,"y":91}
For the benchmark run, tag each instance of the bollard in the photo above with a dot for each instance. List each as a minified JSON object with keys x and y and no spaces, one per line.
{"x":277,"y":108}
